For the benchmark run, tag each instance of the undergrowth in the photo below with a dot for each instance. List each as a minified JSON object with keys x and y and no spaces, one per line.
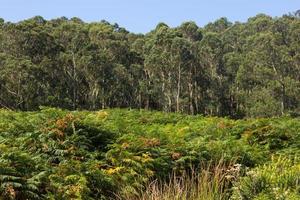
{"x":132,"y":154}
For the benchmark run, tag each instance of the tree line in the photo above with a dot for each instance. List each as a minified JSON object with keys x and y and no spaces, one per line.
{"x":249,"y":69}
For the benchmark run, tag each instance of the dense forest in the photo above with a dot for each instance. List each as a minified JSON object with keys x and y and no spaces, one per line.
{"x":141,"y":155}
{"x":249,"y":69}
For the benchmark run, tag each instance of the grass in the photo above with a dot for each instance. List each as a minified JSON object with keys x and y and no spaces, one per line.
{"x":208,"y":182}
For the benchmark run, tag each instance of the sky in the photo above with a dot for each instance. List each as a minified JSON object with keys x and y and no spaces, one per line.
{"x":141,"y":16}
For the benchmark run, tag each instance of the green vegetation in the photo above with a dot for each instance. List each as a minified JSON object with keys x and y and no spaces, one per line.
{"x":137,"y":154}
{"x":237,"y":69}
{"x":229,"y":96}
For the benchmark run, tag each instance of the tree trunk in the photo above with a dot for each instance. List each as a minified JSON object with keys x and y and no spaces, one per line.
{"x":74,"y":82}
{"x":163,"y":86}
{"x":190,"y":86}
{"x":178,"y":89}
{"x":169,"y":93}
{"x":283,"y":99}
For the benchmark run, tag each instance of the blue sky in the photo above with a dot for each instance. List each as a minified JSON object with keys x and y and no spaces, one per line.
{"x":141,"y":16}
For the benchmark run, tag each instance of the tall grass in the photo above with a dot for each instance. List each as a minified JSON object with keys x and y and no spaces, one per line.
{"x":211,"y":182}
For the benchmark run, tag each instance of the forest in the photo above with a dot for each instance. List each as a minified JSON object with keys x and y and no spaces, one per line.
{"x":92,"y":111}
{"x":249,"y":69}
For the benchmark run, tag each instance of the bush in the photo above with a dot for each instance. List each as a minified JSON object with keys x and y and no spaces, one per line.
{"x":280,"y":179}
{"x":101,"y":154}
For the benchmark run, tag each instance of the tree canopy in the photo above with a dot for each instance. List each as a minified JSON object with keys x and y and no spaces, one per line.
{"x":249,"y":69}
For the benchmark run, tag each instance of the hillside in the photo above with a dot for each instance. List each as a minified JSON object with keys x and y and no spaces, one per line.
{"x":123,"y":154}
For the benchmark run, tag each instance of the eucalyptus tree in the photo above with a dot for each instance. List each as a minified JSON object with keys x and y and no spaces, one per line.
{"x":225,"y":69}
{"x":72,"y":35}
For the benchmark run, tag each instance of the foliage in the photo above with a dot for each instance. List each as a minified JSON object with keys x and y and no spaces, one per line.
{"x":209,"y":182}
{"x":229,"y":69}
{"x":278,"y":179}
{"x":117,"y":153}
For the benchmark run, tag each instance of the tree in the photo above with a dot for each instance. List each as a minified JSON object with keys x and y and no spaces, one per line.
{"x":213,"y":70}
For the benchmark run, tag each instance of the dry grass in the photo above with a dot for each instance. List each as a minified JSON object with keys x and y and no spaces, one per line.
{"x":208,"y":183}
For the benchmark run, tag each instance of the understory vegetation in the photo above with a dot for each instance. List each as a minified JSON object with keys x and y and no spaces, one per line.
{"x":137,"y":154}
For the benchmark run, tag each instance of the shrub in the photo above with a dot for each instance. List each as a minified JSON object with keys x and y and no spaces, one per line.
{"x":280,"y":179}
